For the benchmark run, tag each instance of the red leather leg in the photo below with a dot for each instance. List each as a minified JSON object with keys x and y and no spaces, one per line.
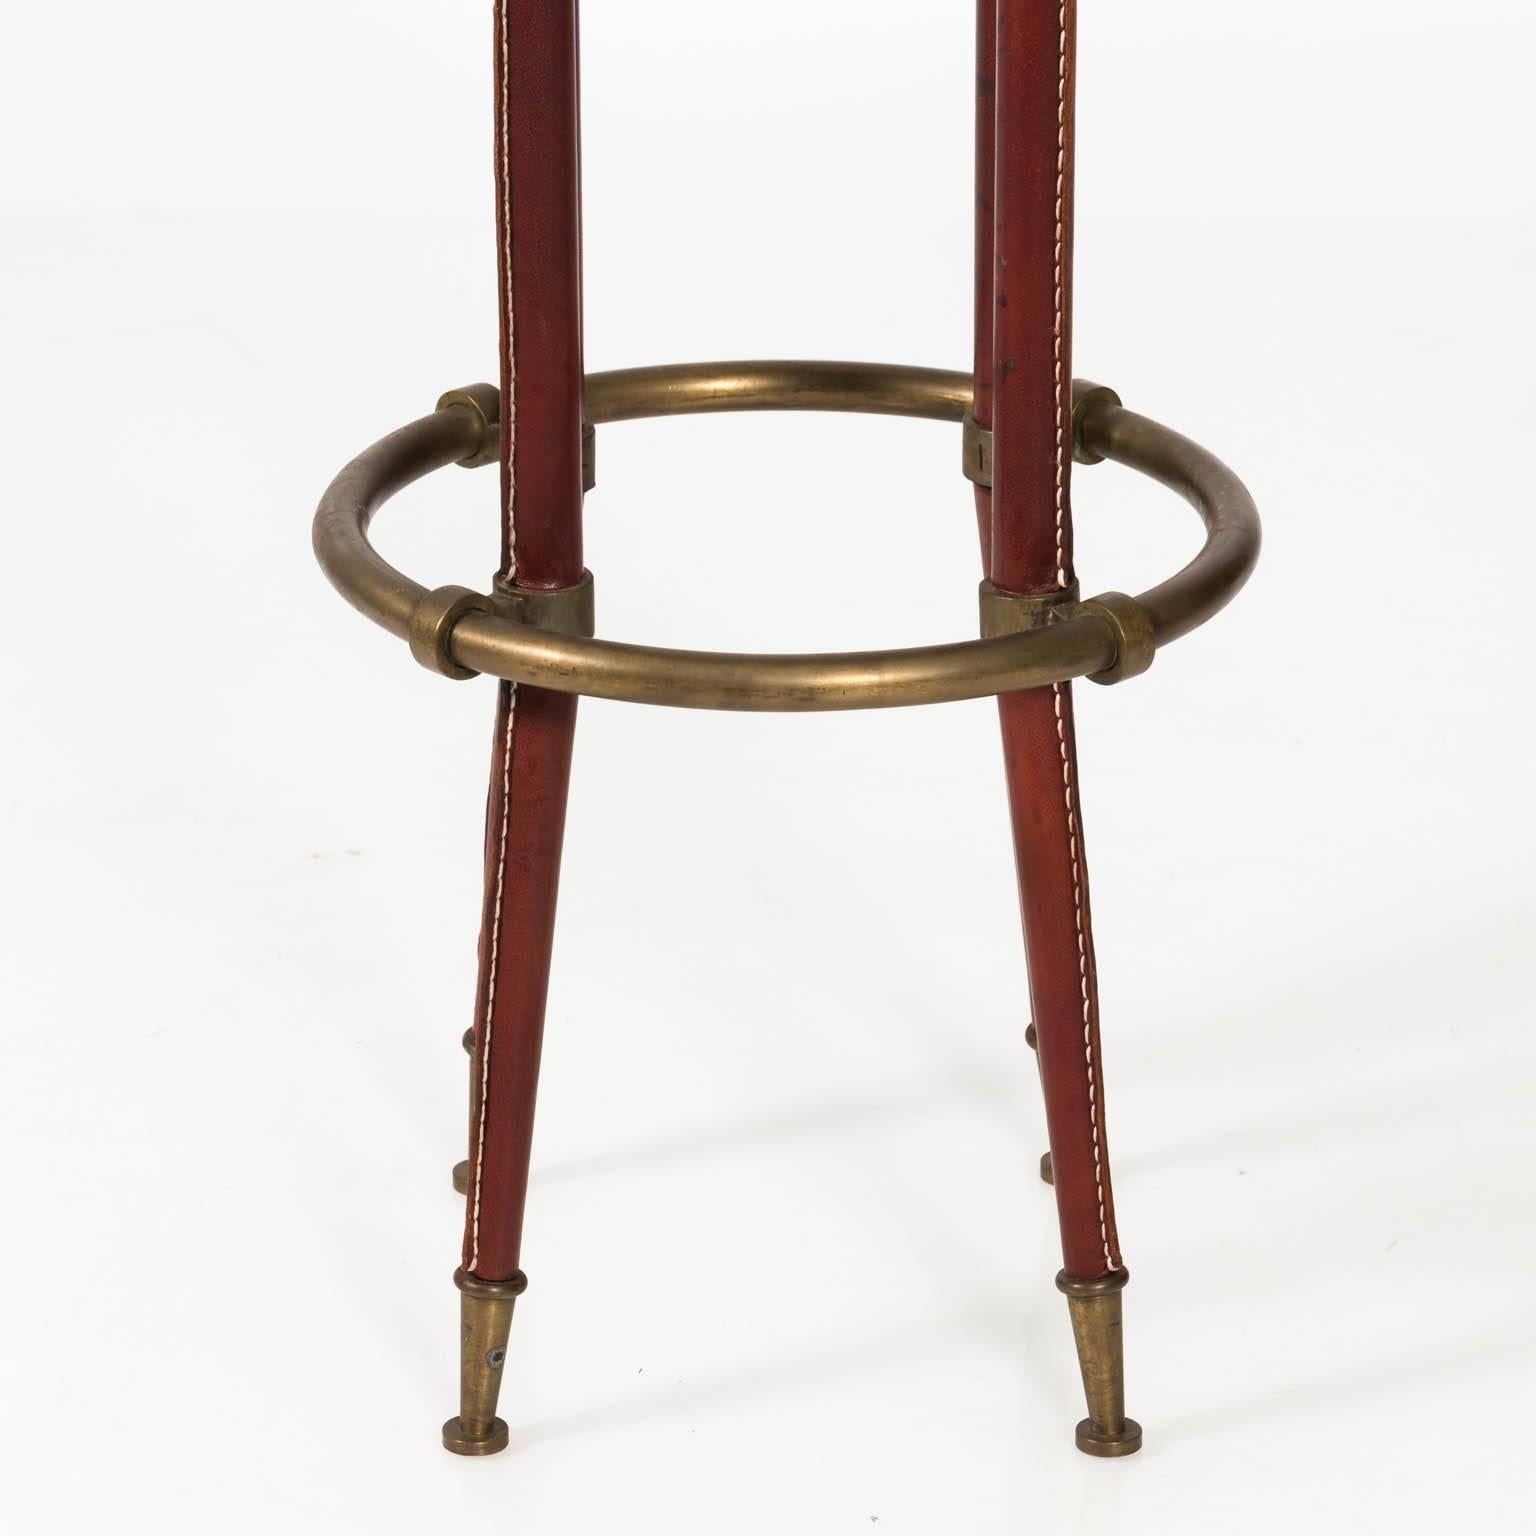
{"x":539,"y":263}
{"x":1039,"y":753}
{"x":986,"y":174}
{"x":1031,"y":552}
{"x":525,"y":826}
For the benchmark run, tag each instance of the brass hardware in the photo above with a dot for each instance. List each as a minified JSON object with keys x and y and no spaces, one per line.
{"x":976,"y":441}
{"x":559,"y":610}
{"x":485,"y":1324}
{"x":1047,"y":1172}
{"x":1096,"y":1328}
{"x":432,"y":622}
{"x":976,"y":452}
{"x":1014,"y":613}
{"x":688,"y":389}
{"x":461,"y":1170}
{"x":483,"y":403}
{"x":1077,"y":646}
{"x":1135,"y":639}
{"x":1086,"y":397}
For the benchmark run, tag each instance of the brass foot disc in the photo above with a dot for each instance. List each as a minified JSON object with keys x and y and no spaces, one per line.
{"x":461,"y":1177}
{"x":1047,"y":1172}
{"x":458,"y":1440}
{"x":1092,"y":1441}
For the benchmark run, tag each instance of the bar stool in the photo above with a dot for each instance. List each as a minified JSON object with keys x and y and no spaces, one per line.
{"x":1023,"y":424}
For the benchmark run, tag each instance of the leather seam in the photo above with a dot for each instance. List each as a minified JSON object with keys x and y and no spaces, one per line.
{"x":1080,"y":917}
{"x":509,"y":405}
{"x":509,"y":443}
{"x":490,"y":990}
{"x":1063,"y":581}
{"x":1060,"y":299}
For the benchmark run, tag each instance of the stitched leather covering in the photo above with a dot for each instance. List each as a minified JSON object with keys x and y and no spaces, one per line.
{"x":1024,"y":372}
{"x":539,"y":265}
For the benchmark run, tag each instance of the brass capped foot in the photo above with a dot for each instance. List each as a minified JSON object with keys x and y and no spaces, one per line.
{"x":1095,"y":1307}
{"x":462,"y":1443}
{"x":1092,"y":1441}
{"x":485,"y":1322}
{"x":1047,"y":1172}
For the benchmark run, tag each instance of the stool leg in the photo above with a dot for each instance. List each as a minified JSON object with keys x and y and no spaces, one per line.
{"x":1040,"y":755}
{"x":525,"y":827}
{"x":1026,"y":70}
{"x":537,"y":165}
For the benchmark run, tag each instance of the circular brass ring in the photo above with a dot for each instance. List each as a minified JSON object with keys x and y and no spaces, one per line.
{"x":1081,"y":645}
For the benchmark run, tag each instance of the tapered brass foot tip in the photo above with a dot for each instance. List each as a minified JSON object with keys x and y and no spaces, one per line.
{"x":464,"y":1442}
{"x":461,"y":1177}
{"x":1093,"y":1441}
{"x":1047,"y":1172}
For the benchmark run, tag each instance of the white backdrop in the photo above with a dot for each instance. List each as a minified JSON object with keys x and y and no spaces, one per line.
{"x":791,"y":1267}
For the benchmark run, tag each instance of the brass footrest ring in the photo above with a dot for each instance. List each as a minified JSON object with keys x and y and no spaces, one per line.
{"x":1106,"y":638}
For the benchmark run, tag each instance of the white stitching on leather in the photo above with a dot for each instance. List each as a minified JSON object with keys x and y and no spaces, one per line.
{"x":1062,"y":580}
{"x":509,"y":405}
{"x":490,"y":990}
{"x":1060,"y":322}
{"x":508,"y":441}
{"x":1082,"y":972}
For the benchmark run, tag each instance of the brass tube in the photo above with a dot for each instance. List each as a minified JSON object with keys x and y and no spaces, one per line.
{"x":685,"y":389}
{"x":1073,"y":647}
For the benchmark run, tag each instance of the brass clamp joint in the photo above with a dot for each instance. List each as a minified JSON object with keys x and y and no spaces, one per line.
{"x":976,"y":452}
{"x":560,"y":610}
{"x":1088,"y":397}
{"x":976,"y":440}
{"x":1135,"y":639}
{"x":1012,"y":613}
{"x":483,"y":402}
{"x":430,"y":632}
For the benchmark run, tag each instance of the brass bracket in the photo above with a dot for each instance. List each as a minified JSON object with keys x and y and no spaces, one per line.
{"x":588,"y":456}
{"x":976,"y":452}
{"x":1131,"y":625}
{"x":976,"y":441}
{"x":561,"y":610}
{"x":1085,"y":396}
{"x":1011,"y":613}
{"x":483,"y":401}
{"x":431,"y":628}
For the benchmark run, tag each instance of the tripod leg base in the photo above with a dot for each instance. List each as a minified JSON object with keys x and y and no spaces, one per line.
{"x":485,"y":1322}
{"x":1097,"y":1329}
